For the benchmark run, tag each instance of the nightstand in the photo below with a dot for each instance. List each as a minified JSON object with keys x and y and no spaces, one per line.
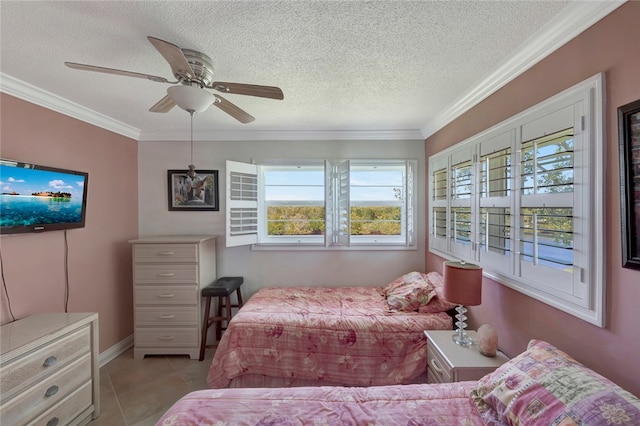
{"x":448,"y":362}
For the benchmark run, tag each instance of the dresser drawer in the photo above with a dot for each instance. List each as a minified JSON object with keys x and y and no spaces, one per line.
{"x":438,"y":371}
{"x":165,"y":253}
{"x":171,"y":273}
{"x":167,"y":337}
{"x":170,"y":316}
{"x":24,"y":372}
{"x":68,"y":409}
{"x":166,"y":295}
{"x":45,"y":394}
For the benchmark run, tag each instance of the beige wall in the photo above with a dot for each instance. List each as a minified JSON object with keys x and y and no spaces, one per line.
{"x":611,"y":46}
{"x":99,"y":257}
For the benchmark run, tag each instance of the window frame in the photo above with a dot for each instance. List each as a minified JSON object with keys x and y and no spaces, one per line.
{"x":584,"y":293}
{"x":336,"y":174}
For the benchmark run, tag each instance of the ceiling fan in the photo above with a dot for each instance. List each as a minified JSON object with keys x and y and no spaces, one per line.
{"x":194,"y":73}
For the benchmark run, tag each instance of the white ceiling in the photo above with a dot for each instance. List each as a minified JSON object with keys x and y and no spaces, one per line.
{"x":348,"y":69}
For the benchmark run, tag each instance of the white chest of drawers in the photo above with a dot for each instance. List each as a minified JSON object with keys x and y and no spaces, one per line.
{"x":168,"y":274}
{"x":49,"y":372}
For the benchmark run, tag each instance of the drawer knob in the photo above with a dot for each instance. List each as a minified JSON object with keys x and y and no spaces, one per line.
{"x":53,"y":422}
{"x":436,"y":366}
{"x":166,"y":295}
{"x":51,"y":391}
{"x":167,"y":337}
{"x":52,"y":360}
{"x":165,"y":274}
{"x":165,"y":253}
{"x":166,"y":316}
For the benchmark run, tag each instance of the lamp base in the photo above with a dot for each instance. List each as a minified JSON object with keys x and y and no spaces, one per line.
{"x":460,"y":337}
{"x":463,"y":340}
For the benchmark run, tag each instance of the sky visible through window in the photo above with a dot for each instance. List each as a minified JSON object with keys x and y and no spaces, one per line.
{"x":306,"y":185}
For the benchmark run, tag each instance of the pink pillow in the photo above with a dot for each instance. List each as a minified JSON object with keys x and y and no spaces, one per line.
{"x":544,"y":385}
{"x":409,"y":292}
{"x":437,"y":302}
{"x":398,"y":282}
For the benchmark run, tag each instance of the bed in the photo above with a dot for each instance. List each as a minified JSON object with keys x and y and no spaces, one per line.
{"x":347,"y":336}
{"x":541,"y":386}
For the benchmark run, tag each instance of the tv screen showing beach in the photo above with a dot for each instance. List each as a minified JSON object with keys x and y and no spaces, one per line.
{"x":38,"y":198}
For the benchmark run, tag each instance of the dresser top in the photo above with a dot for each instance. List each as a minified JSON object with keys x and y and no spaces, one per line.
{"x":172,"y":239}
{"x":34,"y":327}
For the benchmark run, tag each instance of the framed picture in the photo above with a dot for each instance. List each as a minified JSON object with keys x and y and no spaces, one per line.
{"x":193,"y":191}
{"x":629,"y":135}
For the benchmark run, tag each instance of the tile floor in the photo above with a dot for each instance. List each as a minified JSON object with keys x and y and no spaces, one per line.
{"x":138,"y":392}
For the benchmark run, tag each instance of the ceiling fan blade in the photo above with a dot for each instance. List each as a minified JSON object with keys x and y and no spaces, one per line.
{"x":248,"y":89}
{"x":163,"y":105}
{"x":232,"y":110}
{"x":94,"y":68}
{"x":173,"y":54}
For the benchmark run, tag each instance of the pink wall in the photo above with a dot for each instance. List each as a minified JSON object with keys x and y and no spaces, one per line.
{"x":99,"y":257}
{"x":611,"y":46}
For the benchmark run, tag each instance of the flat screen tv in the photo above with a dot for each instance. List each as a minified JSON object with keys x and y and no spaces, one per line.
{"x":41,"y":198}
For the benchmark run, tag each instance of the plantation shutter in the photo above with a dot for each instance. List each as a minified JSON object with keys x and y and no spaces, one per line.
{"x":242,"y":204}
{"x":461,"y":227}
{"x":546,"y":238}
{"x":337,"y":203}
{"x":410,"y":202}
{"x":438,"y":202}
{"x":495,"y":190}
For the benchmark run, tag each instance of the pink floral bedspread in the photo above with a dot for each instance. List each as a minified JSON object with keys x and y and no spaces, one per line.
{"x":336,"y":336}
{"x":441,"y":404}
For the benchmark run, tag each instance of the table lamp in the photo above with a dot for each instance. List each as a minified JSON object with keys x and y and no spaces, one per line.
{"x":463,"y":286}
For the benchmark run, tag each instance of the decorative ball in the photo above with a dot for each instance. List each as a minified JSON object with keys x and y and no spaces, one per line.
{"x":487,"y":340}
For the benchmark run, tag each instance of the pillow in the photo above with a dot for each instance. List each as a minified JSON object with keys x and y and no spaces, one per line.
{"x":437,"y":302}
{"x":400,"y":281}
{"x":408,"y":292}
{"x":544,"y":385}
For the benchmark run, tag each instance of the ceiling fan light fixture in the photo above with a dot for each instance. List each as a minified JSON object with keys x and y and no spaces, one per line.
{"x":191,"y":98}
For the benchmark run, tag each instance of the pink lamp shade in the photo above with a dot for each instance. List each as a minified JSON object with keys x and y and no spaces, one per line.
{"x":462,"y":283}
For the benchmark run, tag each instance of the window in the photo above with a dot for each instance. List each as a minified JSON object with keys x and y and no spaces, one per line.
{"x":293,"y":203}
{"x":524,"y":199}
{"x":333,"y":204}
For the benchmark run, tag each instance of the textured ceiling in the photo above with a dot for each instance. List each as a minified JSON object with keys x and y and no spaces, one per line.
{"x":347,"y":68}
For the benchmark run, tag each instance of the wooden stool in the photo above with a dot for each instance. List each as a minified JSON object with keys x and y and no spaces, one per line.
{"x":222,"y":288}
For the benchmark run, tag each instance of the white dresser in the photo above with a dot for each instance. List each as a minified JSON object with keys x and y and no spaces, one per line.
{"x":49,"y":372}
{"x":168,"y":274}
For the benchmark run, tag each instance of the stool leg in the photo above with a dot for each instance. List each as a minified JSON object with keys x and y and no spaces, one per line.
{"x":239,"y":295}
{"x":219,"y":319}
{"x":205,"y":327}
{"x":228,"y":301}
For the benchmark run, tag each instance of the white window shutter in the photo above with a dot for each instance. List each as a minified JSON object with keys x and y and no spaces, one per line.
{"x":337,"y":203}
{"x":242,"y":204}
{"x":438,"y":201}
{"x":496,"y":170}
{"x":411,"y":202}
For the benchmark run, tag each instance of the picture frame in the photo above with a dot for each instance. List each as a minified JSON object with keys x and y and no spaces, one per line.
{"x":629,"y":140}
{"x":184,"y":196}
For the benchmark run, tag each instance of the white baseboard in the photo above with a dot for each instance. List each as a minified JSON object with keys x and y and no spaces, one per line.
{"x":115,"y":350}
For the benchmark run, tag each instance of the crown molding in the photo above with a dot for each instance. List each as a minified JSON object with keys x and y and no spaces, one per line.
{"x":288,"y":135}
{"x":25,"y":91}
{"x":575,"y":19}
